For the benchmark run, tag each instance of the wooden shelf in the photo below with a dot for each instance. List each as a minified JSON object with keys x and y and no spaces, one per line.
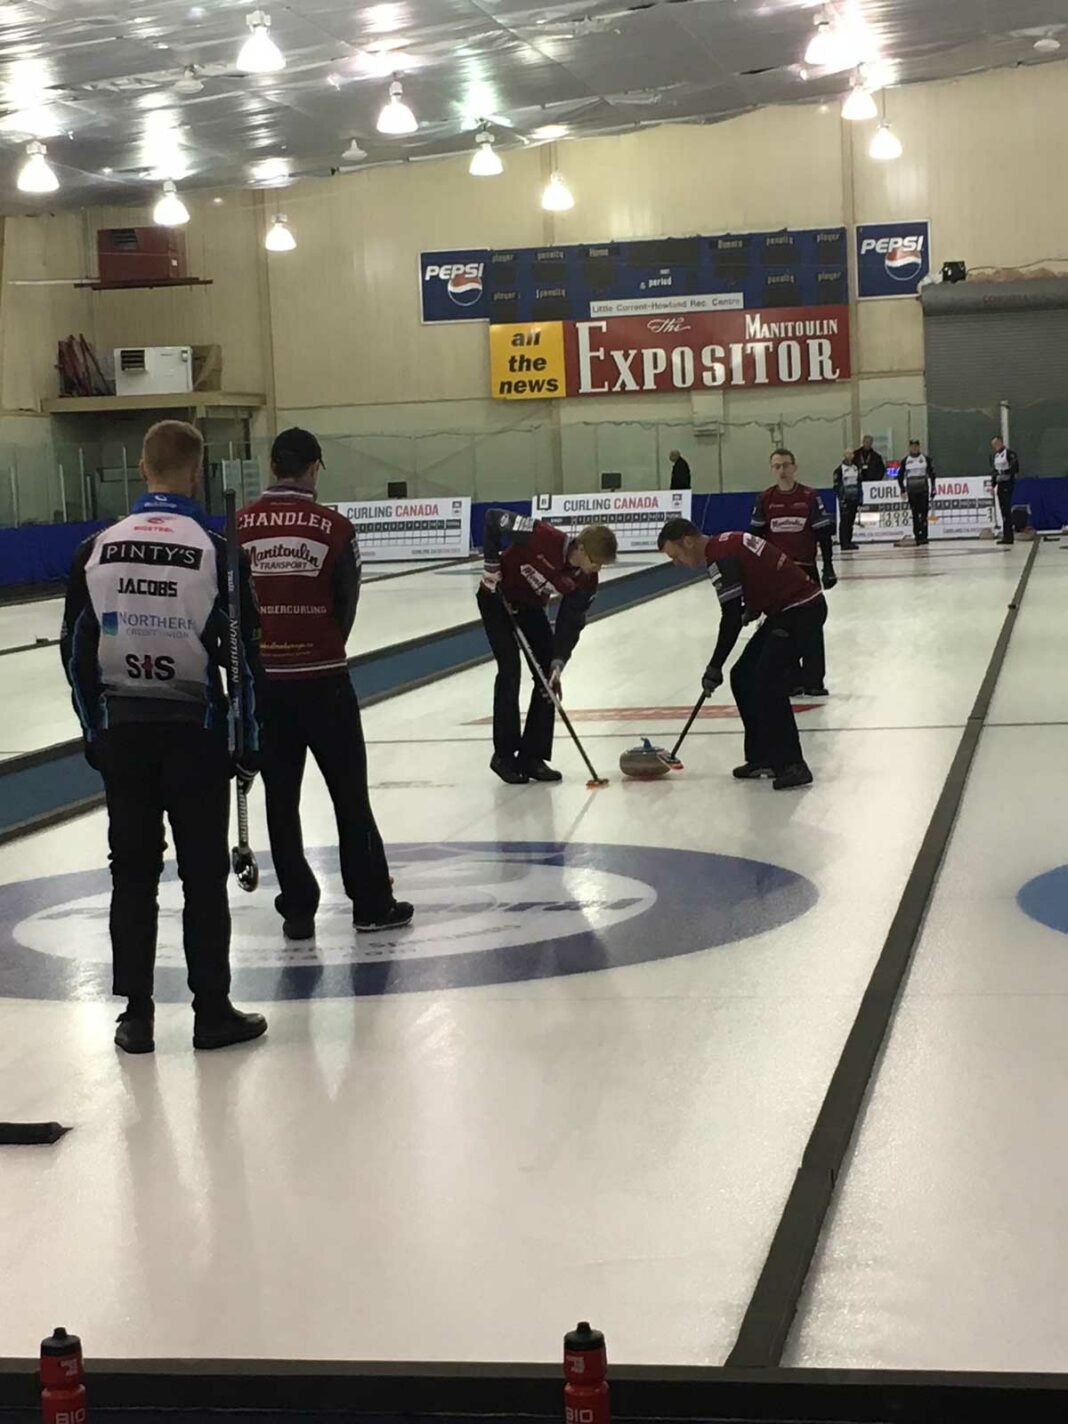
{"x":200,"y":401}
{"x":143,"y":286}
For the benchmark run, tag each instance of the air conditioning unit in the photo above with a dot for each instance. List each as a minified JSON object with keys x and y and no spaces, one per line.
{"x":129,"y":256}
{"x":153,"y":370}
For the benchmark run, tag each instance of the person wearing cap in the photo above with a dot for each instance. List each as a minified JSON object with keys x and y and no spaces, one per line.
{"x":306,"y":567}
{"x":916,"y":480}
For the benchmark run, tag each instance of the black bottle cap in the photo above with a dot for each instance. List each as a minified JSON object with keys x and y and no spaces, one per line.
{"x":60,"y":1343}
{"x":583,"y":1338}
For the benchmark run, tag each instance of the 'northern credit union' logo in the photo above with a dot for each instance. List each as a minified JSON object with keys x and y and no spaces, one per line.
{"x":487,"y":913}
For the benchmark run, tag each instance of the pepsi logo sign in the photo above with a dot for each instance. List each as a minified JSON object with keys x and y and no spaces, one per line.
{"x":893,"y":258}
{"x":903,"y":256}
{"x":463,"y":280}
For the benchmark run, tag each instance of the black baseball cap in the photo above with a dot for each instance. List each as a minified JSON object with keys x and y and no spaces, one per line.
{"x":295,"y":449}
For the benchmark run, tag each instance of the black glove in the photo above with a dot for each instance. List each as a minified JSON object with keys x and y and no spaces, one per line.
{"x":91,"y":752}
{"x":830,"y":578}
{"x":713,"y":678}
{"x":245,"y":769}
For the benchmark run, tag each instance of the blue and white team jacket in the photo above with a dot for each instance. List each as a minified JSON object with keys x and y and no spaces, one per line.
{"x":146,"y":623}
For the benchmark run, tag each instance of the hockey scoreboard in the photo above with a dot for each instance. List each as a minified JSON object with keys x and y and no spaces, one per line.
{"x":733,"y":271}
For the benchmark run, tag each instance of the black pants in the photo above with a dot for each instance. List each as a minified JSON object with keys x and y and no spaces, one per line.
{"x":1005,"y":489}
{"x":847,"y":517}
{"x":760,"y":681}
{"x":920,"y":504}
{"x":322,"y":716}
{"x":184,"y":771}
{"x":535,"y":743}
{"x":810,"y":668}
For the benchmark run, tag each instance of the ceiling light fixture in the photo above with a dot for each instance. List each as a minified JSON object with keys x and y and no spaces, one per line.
{"x":354,"y":153}
{"x":396,"y":118}
{"x":259,"y":54}
{"x":485,"y":161}
{"x":885,"y":145}
{"x":821,"y":46}
{"x":170,"y":211}
{"x":37,"y":175}
{"x":859,"y":104}
{"x":557,"y":197}
{"x":279,"y":238}
{"x":839,"y":45}
{"x":190,"y":82}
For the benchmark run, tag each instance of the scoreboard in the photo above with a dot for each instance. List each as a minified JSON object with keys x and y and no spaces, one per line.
{"x":791,"y":268}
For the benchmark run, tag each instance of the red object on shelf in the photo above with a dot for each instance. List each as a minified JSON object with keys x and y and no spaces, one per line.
{"x":62,"y":1379}
{"x":133,"y":255}
{"x":586,"y":1399}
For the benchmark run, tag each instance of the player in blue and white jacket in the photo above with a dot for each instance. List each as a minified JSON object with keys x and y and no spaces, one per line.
{"x":145,"y":633}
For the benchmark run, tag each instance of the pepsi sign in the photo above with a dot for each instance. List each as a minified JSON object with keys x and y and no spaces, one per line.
{"x":892,"y":258}
{"x":453,"y":285}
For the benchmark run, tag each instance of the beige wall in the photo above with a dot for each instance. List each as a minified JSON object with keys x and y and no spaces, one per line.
{"x":331,"y":331}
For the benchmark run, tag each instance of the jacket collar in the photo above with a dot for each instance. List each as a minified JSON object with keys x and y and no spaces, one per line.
{"x":170,"y":504}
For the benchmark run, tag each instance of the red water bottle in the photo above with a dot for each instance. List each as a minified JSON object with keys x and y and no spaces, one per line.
{"x":62,"y":1379}
{"x":585,"y":1367}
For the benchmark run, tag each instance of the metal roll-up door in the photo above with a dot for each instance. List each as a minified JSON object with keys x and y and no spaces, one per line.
{"x":986,"y":342}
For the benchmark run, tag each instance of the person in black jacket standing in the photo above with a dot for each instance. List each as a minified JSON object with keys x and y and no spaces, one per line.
{"x":916,"y":480}
{"x":871,"y":464}
{"x":1003,"y":485}
{"x":145,"y":632}
{"x":680,"y":471}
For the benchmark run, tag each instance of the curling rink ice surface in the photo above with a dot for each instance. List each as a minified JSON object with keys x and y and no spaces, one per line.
{"x":580,"y":1084}
{"x":397,"y":603}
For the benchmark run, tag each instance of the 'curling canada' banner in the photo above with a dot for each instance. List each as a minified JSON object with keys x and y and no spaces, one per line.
{"x":401,"y":529}
{"x":666,"y":352}
{"x":637,"y":517}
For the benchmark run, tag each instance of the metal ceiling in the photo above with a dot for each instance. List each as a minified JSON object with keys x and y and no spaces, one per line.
{"x":95,"y":80}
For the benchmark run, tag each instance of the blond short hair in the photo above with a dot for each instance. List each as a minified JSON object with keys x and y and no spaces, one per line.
{"x":600,"y":543}
{"x":172,"y":447}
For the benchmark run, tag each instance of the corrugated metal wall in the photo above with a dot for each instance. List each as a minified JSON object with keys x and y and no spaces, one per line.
{"x":989,"y":342}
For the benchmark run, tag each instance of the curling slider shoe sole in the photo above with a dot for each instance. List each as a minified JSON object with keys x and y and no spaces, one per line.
{"x":748,"y":772}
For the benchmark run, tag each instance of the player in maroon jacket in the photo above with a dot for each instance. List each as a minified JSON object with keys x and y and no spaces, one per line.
{"x":792,"y":516}
{"x":538,"y":562}
{"x":306,"y":567}
{"x":754,"y":579}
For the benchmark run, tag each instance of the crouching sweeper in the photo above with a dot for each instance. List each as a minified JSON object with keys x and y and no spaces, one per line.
{"x":527,"y":561}
{"x":753,"y":579}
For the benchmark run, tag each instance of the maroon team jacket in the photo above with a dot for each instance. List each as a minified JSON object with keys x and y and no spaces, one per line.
{"x":746,"y":567}
{"x":306,"y":567}
{"x":792,"y":522}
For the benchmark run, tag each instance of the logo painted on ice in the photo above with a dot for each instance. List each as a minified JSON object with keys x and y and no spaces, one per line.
{"x":1045,"y":899}
{"x":487,"y":913}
